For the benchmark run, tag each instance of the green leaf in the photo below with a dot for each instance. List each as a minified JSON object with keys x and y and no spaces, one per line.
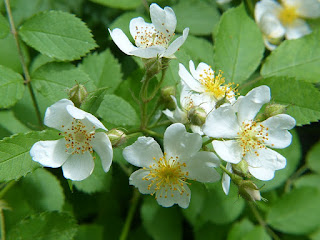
{"x":53,"y":80}
{"x":211,"y":231}
{"x":98,"y":181}
{"x":293,"y":156}
{"x":93,"y":101}
{"x":92,"y":232}
{"x":310,"y":180}
{"x":11,"y":123}
{"x":220,"y":208}
{"x":239,"y":46}
{"x":103,"y":69}
{"x":43,"y":191}
{"x":122,"y":4}
{"x":45,"y":226}
{"x":156,"y":218}
{"x":15,"y":159}
{"x":302,"y":98}
{"x":11,"y":87}
{"x":115,"y":110}
{"x":296,"y":212}
{"x":302,"y":64}
{"x":239,"y":229}
{"x":204,"y":16}
{"x":4,"y":27}
{"x":58,"y":35}
{"x":258,"y":233}
{"x":313,"y":158}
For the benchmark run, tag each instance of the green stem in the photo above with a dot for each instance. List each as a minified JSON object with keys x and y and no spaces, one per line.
{"x":159,"y":124}
{"x":27,"y":80}
{"x":207,"y":142}
{"x":152,"y":133}
{"x":132,"y":209}
{"x":6,"y":188}
{"x":3,"y":227}
{"x":261,"y":221}
{"x":226,"y":171}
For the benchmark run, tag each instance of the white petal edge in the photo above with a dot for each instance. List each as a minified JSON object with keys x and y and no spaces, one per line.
{"x":264,"y":174}
{"x":163,"y":19}
{"x":103,"y":147}
{"x":226,"y":179}
{"x":297,"y":29}
{"x":186,"y":77}
{"x":150,"y":52}
{"x":78,"y":166}
{"x":176,"y":44}
{"x":229,"y":151}
{"x":267,"y":158}
{"x":182,"y":200}
{"x":122,"y":41}
{"x":136,"y":179}
{"x":265,"y":6}
{"x":305,"y":9}
{"x":142,"y":152}
{"x":50,"y":153}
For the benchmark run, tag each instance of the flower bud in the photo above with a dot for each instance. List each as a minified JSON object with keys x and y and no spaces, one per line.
{"x":153,"y":66}
{"x":166,"y":93}
{"x":249,"y":191}
{"x":197,"y":116}
{"x":77,"y":94}
{"x":241,"y":169}
{"x":221,"y":101}
{"x":117,"y":137}
{"x":272,"y":110}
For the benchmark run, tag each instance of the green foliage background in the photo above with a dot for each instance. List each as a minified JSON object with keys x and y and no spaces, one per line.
{"x":63,"y":41}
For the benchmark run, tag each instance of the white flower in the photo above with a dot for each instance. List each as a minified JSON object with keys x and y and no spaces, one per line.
{"x":151,"y":39}
{"x":203,"y":81}
{"x":244,"y":138}
{"x":286,"y":20}
{"x":165,"y":174}
{"x":73,"y":152}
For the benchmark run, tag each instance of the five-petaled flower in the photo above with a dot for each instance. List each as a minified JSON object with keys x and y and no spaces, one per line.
{"x":74,"y":151}
{"x":151,"y":39}
{"x":284,"y":20}
{"x":244,"y":138}
{"x":165,"y":174}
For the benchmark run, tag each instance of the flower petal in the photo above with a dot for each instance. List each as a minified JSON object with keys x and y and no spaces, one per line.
{"x":297,"y":29}
{"x":122,"y":41}
{"x":78,"y":166}
{"x":226,"y":179}
{"x":88,"y":119}
{"x":266,"y":6}
{"x":201,"y":167}
{"x":222,"y":123}
{"x":267,"y":158}
{"x":278,"y":135}
{"x":171,"y":197}
{"x":57,"y":115}
{"x":150,"y":52}
{"x":230,"y":151}
{"x":176,"y":44}
{"x":250,"y":105}
{"x":178,"y":142}
{"x":50,"y":153}
{"x":103,"y":147}
{"x":268,"y":44}
{"x":164,"y":20}
{"x":305,"y":9}
{"x":271,"y":27}
{"x":186,"y":77}
{"x":264,"y":174}
{"x":137,"y":26}
{"x":142,"y":152}
{"x":137,"y":179}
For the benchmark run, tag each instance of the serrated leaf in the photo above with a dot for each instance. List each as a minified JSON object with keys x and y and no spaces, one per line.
{"x":11,"y":87}
{"x":239,"y":46}
{"x":45,"y":226}
{"x":98,"y":181}
{"x":53,"y":80}
{"x":103,"y":69}
{"x":302,"y":98}
{"x":313,"y":158}
{"x":11,"y":123}
{"x":204,"y":16}
{"x":156,"y":218}
{"x":297,"y":212}
{"x":293,"y":156}
{"x":58,"y":35}
{"x":43,"y":191}
{"x":4,"y":27}
{"x":115,"y":110}
{"x":302,"y":64}
{"x":15,"y":159}
{"x":122,"y":4}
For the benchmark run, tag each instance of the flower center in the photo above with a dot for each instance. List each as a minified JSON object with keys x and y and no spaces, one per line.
{"x":167,"y":175}
{"x":252,"y":137}
{"x":214,"y":85}
{"x":78,"y":138}
{"x":148,"y":36}
{"x":288,"y":14}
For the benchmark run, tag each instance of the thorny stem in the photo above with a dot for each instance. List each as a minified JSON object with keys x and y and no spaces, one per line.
{"x":261,"y":221}
{"x":294,"y":176}
{"x":132,"y":210}
{"x":3,"y":227}
{"x":27,"y":80}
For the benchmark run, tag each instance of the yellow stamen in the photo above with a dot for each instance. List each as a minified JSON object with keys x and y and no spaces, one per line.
{"x":288,"y":15}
